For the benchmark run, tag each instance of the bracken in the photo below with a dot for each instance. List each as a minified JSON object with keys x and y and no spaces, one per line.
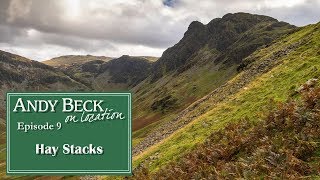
{"x":285,"y":145}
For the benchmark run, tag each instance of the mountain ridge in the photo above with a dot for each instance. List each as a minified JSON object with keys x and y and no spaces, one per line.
{"x":219,"y":34}
{"x":69,"y":60}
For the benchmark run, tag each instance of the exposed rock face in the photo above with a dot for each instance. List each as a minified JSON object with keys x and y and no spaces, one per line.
{"x":235,"y":36}
{"x":176,"y":56}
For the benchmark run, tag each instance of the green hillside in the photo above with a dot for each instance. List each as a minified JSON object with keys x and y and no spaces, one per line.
{"x":199,"y":63}
{"x":284,"y":144}
{"x":296,"y":59}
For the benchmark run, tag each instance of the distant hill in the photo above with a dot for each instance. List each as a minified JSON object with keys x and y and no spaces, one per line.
{"x":18,"y":73}
{"x":117,"y":74}
{"x":69,"y":60}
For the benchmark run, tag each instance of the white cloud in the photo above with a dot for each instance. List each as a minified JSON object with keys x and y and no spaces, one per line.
{"x":277,"y":3}
{"x":41,"y":29}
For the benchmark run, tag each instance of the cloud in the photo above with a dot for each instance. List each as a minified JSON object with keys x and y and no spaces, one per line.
{"x":137,"y":23}
{"x":113,"y":28}
{"x":300,"y":14}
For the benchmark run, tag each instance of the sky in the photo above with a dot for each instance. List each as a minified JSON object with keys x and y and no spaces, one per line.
{"x":43,"y":29}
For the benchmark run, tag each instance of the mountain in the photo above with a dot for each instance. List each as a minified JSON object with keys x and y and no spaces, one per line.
{"x":69,"y":60}
{"x":116,"y":74}
{"x":233,"y":37}
{"x":22,"y":74}
{"x":127,"y":70}
{"x":261,"y":123}
{"x":206,"y":57}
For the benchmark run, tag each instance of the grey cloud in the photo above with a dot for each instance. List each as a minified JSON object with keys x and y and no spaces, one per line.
{"x":9,"y":34}
{"x":307,"y":13}
{"x":117,"y":26}
{"x":298,"y":14}
{"x":140,"y":23}
{"x":4,"y":4}
{"x":17,"y":37}
{"x":76,"y":42}
{"x":130,"y":25}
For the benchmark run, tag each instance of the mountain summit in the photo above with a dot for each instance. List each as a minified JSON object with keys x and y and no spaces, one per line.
{"x":234,"y":36}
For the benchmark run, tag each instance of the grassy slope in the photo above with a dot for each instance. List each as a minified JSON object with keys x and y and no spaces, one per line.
{"x":285,"y":144}
{"x":185,"y":87}
{"x":297,"y":68}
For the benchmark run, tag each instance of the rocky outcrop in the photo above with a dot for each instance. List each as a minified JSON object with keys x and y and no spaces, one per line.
{"x":234,"y":36}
